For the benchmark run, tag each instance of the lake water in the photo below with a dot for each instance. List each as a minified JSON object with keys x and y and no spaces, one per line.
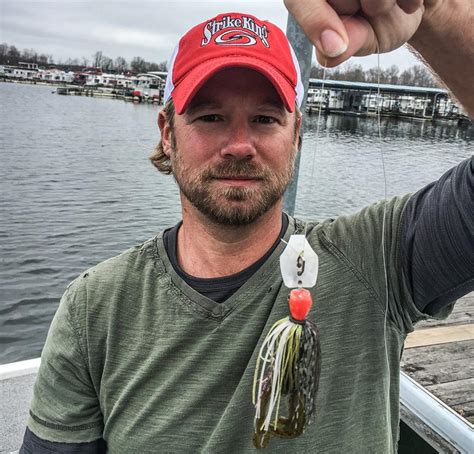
{"x":76,"y":187}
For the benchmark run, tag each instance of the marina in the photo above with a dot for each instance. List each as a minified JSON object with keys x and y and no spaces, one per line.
{"x":326,"y":96}
{"x":399,"y":101}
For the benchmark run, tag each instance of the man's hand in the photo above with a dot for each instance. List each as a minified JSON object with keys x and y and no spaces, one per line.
{"x":341,"y":29}
{"x":441,"y":31}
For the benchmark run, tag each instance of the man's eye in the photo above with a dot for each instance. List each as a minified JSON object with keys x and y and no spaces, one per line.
{"x":209,"y":118}
{"x":265,"y":119}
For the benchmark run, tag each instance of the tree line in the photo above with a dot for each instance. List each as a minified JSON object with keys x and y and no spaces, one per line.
{"x":417,"y":75}
{"x":120,"y":64}
{"x":11,"y":55}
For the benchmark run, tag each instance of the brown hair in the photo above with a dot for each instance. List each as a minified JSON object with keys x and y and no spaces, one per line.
{"x":158,"y":158}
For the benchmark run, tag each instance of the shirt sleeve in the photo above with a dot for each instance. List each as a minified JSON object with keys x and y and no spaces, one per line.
{"x":437,"y":239}
{"x":35,"y":445}
{"x":369,"y":244}
{"x":65,"y":406}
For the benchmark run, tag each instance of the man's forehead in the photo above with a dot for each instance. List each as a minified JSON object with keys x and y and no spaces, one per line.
{"x":237,"y":82}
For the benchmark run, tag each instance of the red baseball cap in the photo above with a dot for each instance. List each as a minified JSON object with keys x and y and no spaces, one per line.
{"x":233,"y":40}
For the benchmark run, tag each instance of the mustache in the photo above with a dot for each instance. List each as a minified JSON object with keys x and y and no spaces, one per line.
{"x":235,"y":169}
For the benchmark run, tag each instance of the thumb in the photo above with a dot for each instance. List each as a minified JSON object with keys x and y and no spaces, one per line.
{"x":321,"y":24}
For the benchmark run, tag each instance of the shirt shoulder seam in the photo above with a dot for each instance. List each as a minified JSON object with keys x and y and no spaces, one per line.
{"x":357,"y":273}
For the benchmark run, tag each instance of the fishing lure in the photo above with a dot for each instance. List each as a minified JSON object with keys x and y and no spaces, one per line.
{"x":289,"y":361}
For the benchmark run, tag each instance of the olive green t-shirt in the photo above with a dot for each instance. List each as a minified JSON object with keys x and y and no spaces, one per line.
{"x":136,"y":356}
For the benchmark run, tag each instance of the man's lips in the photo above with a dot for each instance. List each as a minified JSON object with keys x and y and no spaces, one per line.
{"x":237,"y":180}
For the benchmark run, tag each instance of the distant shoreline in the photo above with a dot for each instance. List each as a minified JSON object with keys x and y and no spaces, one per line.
{"x":33,"y":82}
{"x":94,"y":92}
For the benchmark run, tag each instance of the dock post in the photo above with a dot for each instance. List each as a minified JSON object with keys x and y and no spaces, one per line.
{"x":304,"y":51}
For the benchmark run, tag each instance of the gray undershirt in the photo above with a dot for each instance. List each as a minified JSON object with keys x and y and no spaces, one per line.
{"x":221,"y":288}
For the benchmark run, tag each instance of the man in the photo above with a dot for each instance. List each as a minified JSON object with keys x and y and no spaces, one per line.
{"x":155,"y":350}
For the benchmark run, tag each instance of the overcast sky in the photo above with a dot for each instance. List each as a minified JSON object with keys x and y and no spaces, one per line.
{"x":149,"y":29}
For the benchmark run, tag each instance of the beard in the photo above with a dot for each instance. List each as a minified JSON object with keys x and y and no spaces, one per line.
{"x":234,"y":206}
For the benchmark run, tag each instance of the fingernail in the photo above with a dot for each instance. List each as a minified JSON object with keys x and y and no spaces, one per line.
{"x":332,"y":43}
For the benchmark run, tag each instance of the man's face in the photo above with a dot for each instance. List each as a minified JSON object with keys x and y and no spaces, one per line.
{"x":234,"y":148}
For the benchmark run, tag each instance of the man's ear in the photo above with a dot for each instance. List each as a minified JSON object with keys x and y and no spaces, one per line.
{"x":165,"y":131}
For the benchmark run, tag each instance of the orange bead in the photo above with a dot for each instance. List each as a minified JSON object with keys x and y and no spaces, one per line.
{"x":300,"y":303}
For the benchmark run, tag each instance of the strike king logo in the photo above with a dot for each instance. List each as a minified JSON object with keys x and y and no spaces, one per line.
{"x":232,"y":32}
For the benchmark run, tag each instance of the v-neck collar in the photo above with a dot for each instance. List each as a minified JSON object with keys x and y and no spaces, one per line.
{"x":209,"y":308}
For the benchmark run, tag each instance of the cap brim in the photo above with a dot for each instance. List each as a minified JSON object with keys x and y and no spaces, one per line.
{"x":185,"y":90}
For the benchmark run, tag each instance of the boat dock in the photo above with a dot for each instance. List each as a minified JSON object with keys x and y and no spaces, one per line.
{"x":133,"y":95}
{"x":437,"y":395}
{"x":436,"y":391}
{"x":366,"y":99}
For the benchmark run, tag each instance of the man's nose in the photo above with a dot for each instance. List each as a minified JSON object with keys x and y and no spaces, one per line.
{"x":240,"y":143}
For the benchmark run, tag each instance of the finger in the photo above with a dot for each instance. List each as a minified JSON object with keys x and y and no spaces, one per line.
{"x":395,"y":29}
{"x":373,"y":8}
{"x":346,"y":7}
{"x":362,"y":41}
{"x":371,"y":35}
{"x":321,"y":24}
{"x":410,"y":6}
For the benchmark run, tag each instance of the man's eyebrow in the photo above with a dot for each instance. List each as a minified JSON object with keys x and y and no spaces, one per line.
{"x":204,"y":105}
{"x":196,"y":107}
{"x":273,"y":105}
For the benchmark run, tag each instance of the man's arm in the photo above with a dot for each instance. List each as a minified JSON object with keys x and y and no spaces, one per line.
{"x":437,"y":240}
{"x":441,"y":31}
{"x":65,"y":406}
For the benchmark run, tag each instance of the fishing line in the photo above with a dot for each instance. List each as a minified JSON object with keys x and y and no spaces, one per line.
{"x":385,"y":196}
{"x":318,"y":125}
{"x":382,"y":159}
